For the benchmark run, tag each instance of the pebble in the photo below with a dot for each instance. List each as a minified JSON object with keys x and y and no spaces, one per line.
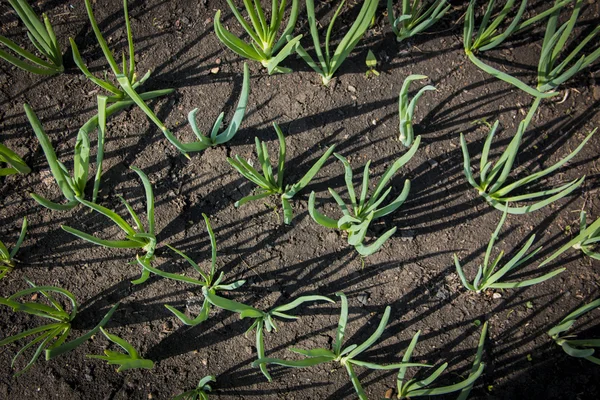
{"x":351,"y":89}
{"x":363,"y":298}
{"x":496,"y":296}
{"x":596,"y":92}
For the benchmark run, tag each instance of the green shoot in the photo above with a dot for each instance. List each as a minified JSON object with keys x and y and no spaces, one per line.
{"x":488,"y":277}
{"x":371,"y":63}
{"x":139,"y":238}
{"x":51,"y":336}
{"x":16,"y":165}
{"x":215,"y":138}
{"x":131,"y":360}
{"x":267,"y":183}
{"x":416,"y":17}
{"x":579,"y":348}
{"x":346,"y":357}
{"x":7,"y":257}
{"x":207,"y":279}
{"x":417,"y":388}
{"x":41,"y":34}
{"x":406,"y":109}
{"x":262,"y":320}
{"x":265,"y":48}
{"x":200,"y":393}
{"x":356,"y":219}
{"x":492,"y":177}
{"x":327,"y":63}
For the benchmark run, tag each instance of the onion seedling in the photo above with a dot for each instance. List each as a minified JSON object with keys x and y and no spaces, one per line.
{"x":200,"y":393}
{"x":579,"y":348}
{"x":7,"y":257}
{"x":42,"y":36}
{"x":262,"y":320}
{"x":143,"y":238}
{"x":416,"y":17}
{"x":207,"y":279}
{"x":267,"y":183}
{"x":327,"y":63}
{"x":406,"y":109}
{"x":346,"y":357}
{"x":131,"y":360}
{"x":492,"y":177}
{"x":356,"y":220}
{"x":371,"y":63}
{"x":417,"y":388}
{"x":49,"y":337}
{"x":16,"y":165}
{"x":265,"y":48}
{"x":488,"y":278}
{"x":215,"y":138}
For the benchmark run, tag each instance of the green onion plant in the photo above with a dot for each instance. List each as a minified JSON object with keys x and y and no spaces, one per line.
{"x":489,"y":278}
{"x":16,"y":165}
{"x":130,"y":360}
{"x":327,"y":64}
{"x":262,"y":320}
{"x":201,"y":391}
{"x":406,"y":109}
{"x":579,"y":348}
{"x":492,"y":177}
{"x":50,"y":337}
{"x":357,"y":218}
{"x":7,"y":257}
{"x":265,"y":47}
{"x":417,"y":16}
{"x":267,"y":183}
{"x":42,"y":36}
{"x":346,"y":357}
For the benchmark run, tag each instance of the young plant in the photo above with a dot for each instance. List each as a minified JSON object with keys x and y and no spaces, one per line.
{"x":215,"y":138}
{"x":488,"y":278}
{"x":208,"y":280}
{"x":141,"y":238}
{"x":356,"y":219}
{"x":346,"y":357}
{"x":406,"y":109}
{"x":267,"y":183}
{"x":16,"y":165}
{"x":7,"y":257}
{"x":51,"y":336}
{"x":371,"y":63}
{"x":200,"y":393}
{"x":417,"y":388}
{"x":265,"y":47}
{"x":492,"y":177}
{"x":327,"y":63}
{"x":416,"y":17}
{"x":579,"y":348}
{"x":41,"y":34}
{"x":131,"y":360}
{"x":262,"y":320}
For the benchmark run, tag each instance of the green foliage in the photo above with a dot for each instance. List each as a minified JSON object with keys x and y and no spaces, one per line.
{"x":371,"y":63}
{"x":267,"y":183}
{"x":143,"y":238}
{"x":265,"y":44}
{"x":492,"y":177}
{"x":327,"y":63}
{"x":7,"y":257}
{"x":416,"y":17}
{"x":406,"y":109}
{"x":200,"y":392}
{"x":579,"y":348}
{"x":51,"y":336}
{"x":417,"y":388}
{"x":215,"y":138}
{"x":16,"y":165}
{"x":131,"y":360}
{"x":346,"y":357}
{"x":41,"y":34}
{"x":262,"y":320}
{"x":207,"y":279}
{"x":356,"y":219}
{"x":488,"y":277}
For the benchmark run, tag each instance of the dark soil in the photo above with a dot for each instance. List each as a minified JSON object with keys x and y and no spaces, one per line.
{"x":413,"y":273}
